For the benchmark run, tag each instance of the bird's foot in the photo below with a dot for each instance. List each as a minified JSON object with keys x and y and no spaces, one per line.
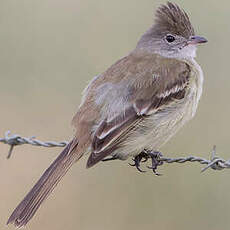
{"x":155,"y":157}
{"x":144,"y":156}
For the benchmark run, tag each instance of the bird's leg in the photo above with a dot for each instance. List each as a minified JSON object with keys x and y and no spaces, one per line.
{"x":143,"y":157}
{"x":138,"y":159}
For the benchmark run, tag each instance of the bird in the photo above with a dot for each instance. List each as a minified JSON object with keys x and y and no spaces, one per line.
{"x":134,"y":107}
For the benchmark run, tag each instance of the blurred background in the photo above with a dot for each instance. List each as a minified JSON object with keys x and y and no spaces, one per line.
{"x":49,"y":51}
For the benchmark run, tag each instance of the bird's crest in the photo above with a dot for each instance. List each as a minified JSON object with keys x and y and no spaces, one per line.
{"x":172,"y":19}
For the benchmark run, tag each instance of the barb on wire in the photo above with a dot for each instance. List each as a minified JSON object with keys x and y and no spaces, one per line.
{"x":215,"y":163}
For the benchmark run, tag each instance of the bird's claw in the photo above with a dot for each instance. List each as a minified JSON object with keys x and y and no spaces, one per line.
{"x":155,"y":157}
{"x":137,"y":161}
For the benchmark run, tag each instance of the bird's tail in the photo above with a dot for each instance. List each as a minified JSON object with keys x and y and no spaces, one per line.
{"x":45,"y":185}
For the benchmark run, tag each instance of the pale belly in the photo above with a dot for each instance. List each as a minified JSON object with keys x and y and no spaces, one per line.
{"x":155,"y":130}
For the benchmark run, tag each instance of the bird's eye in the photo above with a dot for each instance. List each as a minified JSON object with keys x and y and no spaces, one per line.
{"x":170,"y":38}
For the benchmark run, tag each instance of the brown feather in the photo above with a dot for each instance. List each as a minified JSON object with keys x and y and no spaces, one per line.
{"x":106,"y":137}
{"x":172,"y":19}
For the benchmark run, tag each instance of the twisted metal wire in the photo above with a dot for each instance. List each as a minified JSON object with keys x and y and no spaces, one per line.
{"x":215,"y":163}
{"x":15,"y":139}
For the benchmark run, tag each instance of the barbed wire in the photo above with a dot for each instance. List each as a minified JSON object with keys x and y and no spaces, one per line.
{"x":215,"y":162}
{"x":15,"y":139}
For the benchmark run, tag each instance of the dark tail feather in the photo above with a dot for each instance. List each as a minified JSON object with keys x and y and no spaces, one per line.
{"x":45,"y":185}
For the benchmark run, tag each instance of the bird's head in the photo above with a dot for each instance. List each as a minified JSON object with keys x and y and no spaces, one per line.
{"x":172,"y":34}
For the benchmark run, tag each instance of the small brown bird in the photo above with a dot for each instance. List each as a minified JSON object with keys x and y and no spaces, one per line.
{"x":137,"y":104}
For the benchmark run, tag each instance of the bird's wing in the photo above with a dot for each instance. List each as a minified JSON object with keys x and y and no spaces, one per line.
{"x":146,"y":100}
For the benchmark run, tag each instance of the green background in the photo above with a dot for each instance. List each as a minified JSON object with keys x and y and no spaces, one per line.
{"x":49,"y":50}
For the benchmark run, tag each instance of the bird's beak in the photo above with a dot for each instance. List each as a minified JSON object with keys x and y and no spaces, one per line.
{"x":194,"y":40}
